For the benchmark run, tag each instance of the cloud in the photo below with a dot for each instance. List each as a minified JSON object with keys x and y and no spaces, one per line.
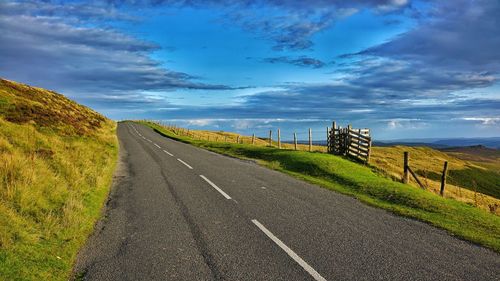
{"x":455,"y":35}
{"x":484,"y":120}
{"x":301,"y":61}
{"x":292,"y":24}
{"x":289,"y":24}
{"x":79,"y":59}
{"x":84,"y":11}
{"x":404,"y":123}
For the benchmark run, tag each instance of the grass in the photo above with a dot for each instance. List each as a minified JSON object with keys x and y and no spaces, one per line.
{"x":362,"y":182}
{"x":222,"y":136}
{"x":470,"y":182}
{"x":56,"y":164}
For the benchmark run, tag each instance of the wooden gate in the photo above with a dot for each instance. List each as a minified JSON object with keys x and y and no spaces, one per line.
{"x":350,"y":142}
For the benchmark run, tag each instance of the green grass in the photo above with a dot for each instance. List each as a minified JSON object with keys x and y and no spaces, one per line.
{"x":473,"y":178}
{"x":342,"y":175}
{"x":472,"y":182}
{"x":56,"y":166}
{"x":428,"y":162}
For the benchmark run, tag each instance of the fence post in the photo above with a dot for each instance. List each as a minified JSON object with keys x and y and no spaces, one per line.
{"x":333,"y":138}
{"x":270,"y":137}
{"x":253,"y":138}
{"x":406,"y":174}
{"x":238,"y":139}
{"x":295,"y":140}
{"x":279,"y":139}
{"x":310,"y":140}
{"x":327,"y":139}
{"x":369,"y":151}
{"x":348,"y":143}
{"x":443,"y":178}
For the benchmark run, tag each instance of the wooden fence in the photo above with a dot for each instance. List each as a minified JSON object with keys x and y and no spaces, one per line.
{"x":349,"y":142}
{"x":355,"y":143}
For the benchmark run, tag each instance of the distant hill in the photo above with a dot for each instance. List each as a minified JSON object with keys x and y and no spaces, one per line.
{"x":493,"y":142}
{"x":476,"y":151}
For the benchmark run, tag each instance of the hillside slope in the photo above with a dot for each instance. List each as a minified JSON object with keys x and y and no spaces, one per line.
{"x":474,"y":180}
{"x":56,"y":163}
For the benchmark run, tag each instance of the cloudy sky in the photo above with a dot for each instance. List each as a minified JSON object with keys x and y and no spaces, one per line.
{"x":405,"y":69}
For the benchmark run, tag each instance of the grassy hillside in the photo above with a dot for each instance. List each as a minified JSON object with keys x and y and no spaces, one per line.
{"x":221,"y":136}
{"x":56,"y":165}
{"x":474,"y":182}
{"x":362,"y":182}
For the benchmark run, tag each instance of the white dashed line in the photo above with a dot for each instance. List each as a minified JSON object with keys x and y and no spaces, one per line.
{"x":149,"y":140}
{"x":157,"y":145}
{"x":187,"y":165}
{"x":216,"y":187}
{"x":168,"y":153}
{"x":290,"y":252}
{"x":263,"y":187}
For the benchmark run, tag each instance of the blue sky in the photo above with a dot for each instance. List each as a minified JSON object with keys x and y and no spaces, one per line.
{"x":405,"y":69}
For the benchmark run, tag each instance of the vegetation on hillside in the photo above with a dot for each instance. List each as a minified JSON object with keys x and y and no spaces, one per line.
{"x":342,"y":175}
{"x":56,"y":165}
{"x":222,"y":136}
{"x":470,"y":182}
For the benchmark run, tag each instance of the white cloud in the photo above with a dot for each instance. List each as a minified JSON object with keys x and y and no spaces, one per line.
{"x":484,"y":120}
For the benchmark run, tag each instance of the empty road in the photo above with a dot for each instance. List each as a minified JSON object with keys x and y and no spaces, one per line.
{"x":177,"y":212}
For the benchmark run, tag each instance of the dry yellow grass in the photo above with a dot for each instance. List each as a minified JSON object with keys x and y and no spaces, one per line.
{"x":233,"y":138}
{"x":54,"y":178}
{"x":428,"y":164}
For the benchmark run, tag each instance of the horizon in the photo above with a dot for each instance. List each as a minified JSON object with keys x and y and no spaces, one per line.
{"x":404,"y":69}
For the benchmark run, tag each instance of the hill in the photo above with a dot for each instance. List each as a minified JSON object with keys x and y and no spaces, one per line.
{"x":56,"y":163}
{"x":493,"y":142}
{"x":476,"y":153}
{"x":21,"y":104}
{"x":475,"y":182}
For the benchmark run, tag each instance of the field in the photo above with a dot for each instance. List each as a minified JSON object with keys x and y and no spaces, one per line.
{"x":362,"y":182}
{"x":474,"y":182}
{"x":56,"y":164}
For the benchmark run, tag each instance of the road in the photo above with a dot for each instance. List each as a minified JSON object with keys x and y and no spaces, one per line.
{"x":177,"y":212}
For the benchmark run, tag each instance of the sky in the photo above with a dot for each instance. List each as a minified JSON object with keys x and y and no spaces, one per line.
{"x":404,"y":69}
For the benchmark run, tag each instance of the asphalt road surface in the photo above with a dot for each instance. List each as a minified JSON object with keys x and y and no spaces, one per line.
{"x":177,"y":212}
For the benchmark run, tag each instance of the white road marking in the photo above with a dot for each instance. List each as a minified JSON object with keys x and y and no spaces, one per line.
{"x":290,"y":252}
{"x":263,"y":187}
{"x":168,"y":153}
{"x":216,"y":187}
{"x":157,"y":145}
{"x":187,"y":165}
{"x":149,"y":140}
